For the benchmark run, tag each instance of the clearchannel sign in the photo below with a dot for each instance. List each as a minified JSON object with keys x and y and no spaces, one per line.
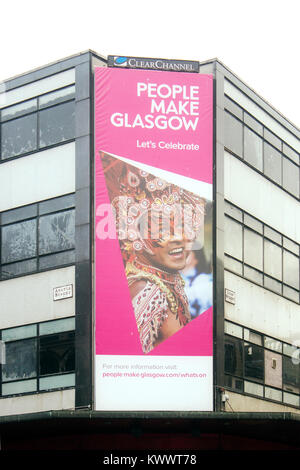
{"x":153,"y":64}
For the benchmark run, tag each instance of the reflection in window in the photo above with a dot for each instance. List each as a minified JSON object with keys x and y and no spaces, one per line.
{"x":57,"y":232}
{"x":18,"y":241}
{"x":20,"y":360}
{"x":57,"y":353}
{"x":57,"y":124}
{"x":19,"y":136}
{"x":253,"y":149}
{"x":233,"y":356}
{"x":254,"y":362}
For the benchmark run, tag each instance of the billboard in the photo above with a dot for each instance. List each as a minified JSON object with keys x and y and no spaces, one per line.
{"x":153,"y":240}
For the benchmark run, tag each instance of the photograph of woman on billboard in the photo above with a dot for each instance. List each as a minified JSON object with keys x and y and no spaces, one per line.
{"x":158,"y":225}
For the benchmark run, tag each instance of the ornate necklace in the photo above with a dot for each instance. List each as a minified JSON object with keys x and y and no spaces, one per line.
{"x":160,"y":277}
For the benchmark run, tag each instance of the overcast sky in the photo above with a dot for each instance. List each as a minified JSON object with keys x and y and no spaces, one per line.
{"x":258,"y":39}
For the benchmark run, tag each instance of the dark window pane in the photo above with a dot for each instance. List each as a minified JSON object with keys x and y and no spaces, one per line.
{"x":253,"y":149}
{"x":291,"y":375}
{"x":57,"y":353}
{"x":59,"y":259}
{"x":57,"y":124}
{"x":254,"y":362}
{"x":21,"y":360}
{"x":57,"y":232}
{"x":19,"y":136}
{"x":290,"y":177}
{"x":233,"y":356}
{"x":19,"y":241}
{"x":233,"y":134}
{"x":17,"y":269}
{"x":272,"y":163}
{"x":233,"y":382}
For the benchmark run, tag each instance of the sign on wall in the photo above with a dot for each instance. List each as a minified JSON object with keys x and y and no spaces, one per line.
{"x":153,"y":240}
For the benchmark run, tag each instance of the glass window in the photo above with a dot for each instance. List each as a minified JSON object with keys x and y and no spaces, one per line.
{"x":233,"y":356}
{"x":19,"y":241}
{"x":253,"y":223}
{"x":290,"y":153}
{"x":270,"y":137}
{"x":253,"y":149}
{"x":57,"y":353}
{"x":290,"y":269}
{"x":233,"y":238}
{"x":291,"y":294}
{"x":273,"y":369}
{"x":233,"y":382}
{"x":233,"y":108}
{"x":290,"y":177}
{"x":233,"y":265}
{"x":272,"y":259}
{"x":253,"y":249}
{"x":233,"y":134}
{"x":254,"y":362}
{"x":273,"y":285}
{"x":253,"y":123}
{"x":19,"y":109}
{"x":233,"y":211}
{"x":273,"y":235}
{"x":58,"y":259}
{"x":21,"y":332}
{"x":57,"y":326}
{"x":253,"y":275}
{"x":234,"y":330}
{"x":273,"y":394}
{"x":272,"y":163}
{"x":57,"y":232}
{"x":24,"y":386}
{"x":273,"y":344}
{"x":19,"y":136}
{"x":57,"y":124}
{"x":254,"y":389}
{"x":57,"y":381}
{"x":57,"y":97}
{"x":17,"y":269}
{"x":291,"y":375}
{"x":21,"y":360}
{"x":291,"y":246}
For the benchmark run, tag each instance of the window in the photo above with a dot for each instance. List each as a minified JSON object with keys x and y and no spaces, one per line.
{"x":233,"y":134}
{"x":38,"y":357}
{"x":253,"y":149}
{"x":38,"y":123}
{"x":260,"y":365}
{"x":252,"y":141}
{"x":261,"y":254}
{"x":45,"y":239}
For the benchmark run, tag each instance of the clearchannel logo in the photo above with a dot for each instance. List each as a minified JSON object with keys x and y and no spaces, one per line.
{"x":153,"y":64}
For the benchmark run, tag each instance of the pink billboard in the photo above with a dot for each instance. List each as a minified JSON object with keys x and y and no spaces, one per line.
{"x":153,"y":240}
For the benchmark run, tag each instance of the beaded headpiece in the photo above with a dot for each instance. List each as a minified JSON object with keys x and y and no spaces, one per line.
{"x":148,"y":209}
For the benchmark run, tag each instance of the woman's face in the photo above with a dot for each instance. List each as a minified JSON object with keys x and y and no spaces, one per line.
{"x":170,"y":255}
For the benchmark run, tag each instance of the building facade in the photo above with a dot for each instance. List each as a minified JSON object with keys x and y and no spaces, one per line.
{"x":47,"y":249}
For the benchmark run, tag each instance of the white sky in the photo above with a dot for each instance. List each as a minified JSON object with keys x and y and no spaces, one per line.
{"x":258,"y":40}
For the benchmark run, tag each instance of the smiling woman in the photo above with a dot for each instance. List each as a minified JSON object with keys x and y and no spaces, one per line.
{"x":157,"y":223}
